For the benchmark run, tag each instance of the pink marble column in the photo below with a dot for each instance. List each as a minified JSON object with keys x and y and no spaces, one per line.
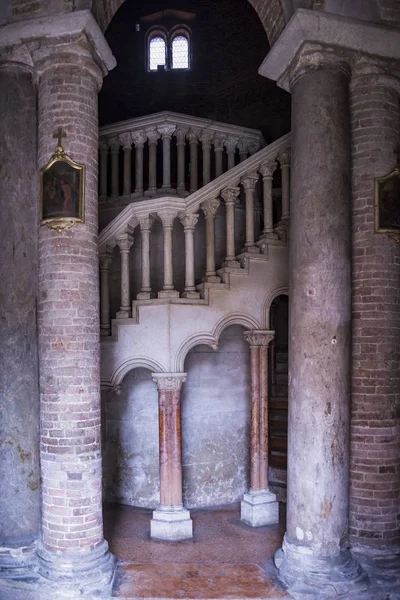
{"x":171,"y":521}
{"x":259,"y":506}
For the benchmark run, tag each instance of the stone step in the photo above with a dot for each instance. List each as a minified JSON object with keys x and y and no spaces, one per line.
{"x":278,"y":403}
{"x":281,"y":379}
{"x":281,"y":357}
{"x":281,"y":367}
{"x":278,"y":444}
{"x":280,"y":390}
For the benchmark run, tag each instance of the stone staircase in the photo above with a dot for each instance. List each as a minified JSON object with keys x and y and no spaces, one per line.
{"x":278,"y":426}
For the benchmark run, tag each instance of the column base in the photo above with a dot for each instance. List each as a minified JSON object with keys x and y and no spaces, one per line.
{"x":259,"y":508}
{"x":168,"y":294}
{"x":251,"y":248}
{"x":105,"y":331}
{"x":167,"y":190}
{"x":17,"y":562}
{"x":232,"y":263}
{"x":90,"y":573}
{"x":192,"y":294}
{"x":305,"y":572}
{"x":171,"y":523}
{"x":211,"y":279}
{"x":123,"y":314}
{"x":143,"y":296}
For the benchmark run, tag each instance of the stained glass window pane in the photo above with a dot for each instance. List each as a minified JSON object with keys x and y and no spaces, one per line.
{"x":156,"y":53}
{"x":180,"y":52}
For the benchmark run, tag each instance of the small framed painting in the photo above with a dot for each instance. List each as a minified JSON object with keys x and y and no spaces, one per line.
{"x":387,"y":204}
{"x":62,"y":198}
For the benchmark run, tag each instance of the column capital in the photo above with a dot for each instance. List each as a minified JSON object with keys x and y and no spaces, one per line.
{"x":285,"y":157}
{"x":169,"y":382}
{"x":167,"y":130}
{"x":230,"y":194}
{"x":193,"y":135}
{"x":267,"y":169}
{"x":152,"y":135}
{"x":218,"y":142}
{"x":249,"y":180}
{"x":231,"y":143}
{"x":114,"y":144}
{"x":125,"y":140}
{"x":181,"y":133}
{"x":254,"y":147}
{"x":189,"y":220}
{"x":374,"y":71}
{"x":106,"y":259}
{"x":139,"y":138}
{"x":125,"y":241}
{"x":244,"y":145}
{"x":206,"y":138}
{"x":167,"y":217}
{"x":103,"y":146}
{"x":145,"y":223}
{"x":259,"y":337}
{"x":210,"y":207}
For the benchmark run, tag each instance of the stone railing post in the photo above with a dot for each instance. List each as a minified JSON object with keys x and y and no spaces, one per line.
{"x":114,"y":144}
{"x":267,"y":172}
{"x":206,"y":138}
{"x":218,"y":153}
{"x":145,"y":230}
{"x":171,"y":521}
{"x":259,"y":506}
{"x":193,"y":137}
{"x":210,"y":207}
{"x":139,"y":139}
{"x":125,"y":140}
{"x":249,"y":184}
{"x":166,"y":131}
{"x":189,"y":223}
{"x":181,"y":146}
{"x":103,"y":169}
{"x":229,"y":196}
{"x":105,"y":265}
{"x":167,"y":218}
{"x":284,"y":160}
{"x":125,"y":242}
{"x":152,"y":136}
{"x":231,"y":145}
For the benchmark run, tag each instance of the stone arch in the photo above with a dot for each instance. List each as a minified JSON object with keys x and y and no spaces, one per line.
{"x":133,"y":363}
{"x":274,"y":293}
{"x":273,"y":14}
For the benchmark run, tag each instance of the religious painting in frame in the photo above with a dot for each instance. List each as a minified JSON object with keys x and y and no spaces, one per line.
{"x":62,"y":196}
{"x":387,"y":204}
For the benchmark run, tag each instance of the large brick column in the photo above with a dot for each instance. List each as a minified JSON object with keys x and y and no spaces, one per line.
{"x":73,"y":549}
{"x":375,"y":431}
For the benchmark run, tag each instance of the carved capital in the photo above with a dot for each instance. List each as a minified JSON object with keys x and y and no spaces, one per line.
{"x":285,"y":157}
{"x":125,"y":241}
{"x":219,"y":142}
{"x":210,"y":207}
{"x":125,"y":140}
{"x":244,"y":145}
{"x":167,"y":218}
{"x":145,"y":223}
{"x":169,"y":382}
{"x":254,"y":147}
{"x":114,"y":144}
{"x":193,"y":136}
{"x":230,"y":194}
{"x":259,"y":337}
{"x":139,"y":138}
{"x":249,"y":181}
{"x":181,"y":135}
{"x":267,"y":168}
{"x":166,"y":131}
{"x":189,"y":220}
{"x":106,"y":259}
{"x":231,"y":143}
{"x":103,"y":147}
{"x":206,"y":137}
{"x":152,"y":135}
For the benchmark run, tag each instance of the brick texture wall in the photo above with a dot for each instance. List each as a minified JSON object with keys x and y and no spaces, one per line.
{"x":375,"y":431}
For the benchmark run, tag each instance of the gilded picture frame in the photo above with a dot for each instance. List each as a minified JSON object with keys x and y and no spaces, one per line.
{"x":387,"y":204}
{"x":62,"y":192}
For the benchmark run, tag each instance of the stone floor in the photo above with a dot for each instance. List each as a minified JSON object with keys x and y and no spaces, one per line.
{"x":226,"y":560}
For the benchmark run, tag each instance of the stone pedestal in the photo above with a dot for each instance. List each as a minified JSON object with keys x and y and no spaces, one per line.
{"x":259,"y":508}
{"x":171,"y":523}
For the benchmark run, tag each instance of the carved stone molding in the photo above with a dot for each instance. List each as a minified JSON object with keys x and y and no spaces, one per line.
{"x":230,"y":194}
{"x":169,"y":382}
{"x":259,"y":337}
{"x":210,"y":207}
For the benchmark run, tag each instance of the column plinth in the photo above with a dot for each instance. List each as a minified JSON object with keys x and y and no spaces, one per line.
{"x":171,"y":521}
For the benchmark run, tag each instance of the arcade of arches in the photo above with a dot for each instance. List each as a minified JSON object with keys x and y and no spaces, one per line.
{"x":238,"y":199}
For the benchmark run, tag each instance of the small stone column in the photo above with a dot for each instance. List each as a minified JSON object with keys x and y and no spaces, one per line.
{"x":125,"y":139}
{"x":152,"y":136}
{"x":189,"y":223}
{"x":218,"y":152}
{"x":210,"y":208}
{"x":139,"y":139}
{"x":114,"y":144}
{"x":259,"y":506}
{"x":206,"y":138}
{"x":103,"y":169}
{"x":105,"y":265}
{"x":249,"y":184}
{"x":166,"y":132}
{"x":192,"y":136}
{"x":125,"y":243}
{"x":243,"y":146}
{"x":230,"y":145}
{"x":145,"y":230}
{"x":167,"y":217}
{"x":229,"y":196}
{"x":171,"y":521}
{"x":284,"y":160}
{"x":181,"y":147}
{"x":267,"y":170}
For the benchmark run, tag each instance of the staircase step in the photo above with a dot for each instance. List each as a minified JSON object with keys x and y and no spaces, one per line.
{"x":281,"y":368}
{"x":278,"y":444}
{"x":278,"y":461}
{"x":281,"y":379}
{"x":275,"y":403}
{"x":281,"y":357}
{"x":280,"y":390}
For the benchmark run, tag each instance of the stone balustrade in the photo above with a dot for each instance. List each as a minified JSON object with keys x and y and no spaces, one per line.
{"x":168,"y":153}
{"x":240,"y":194}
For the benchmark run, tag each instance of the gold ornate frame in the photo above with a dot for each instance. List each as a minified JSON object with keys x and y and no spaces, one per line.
{"x":392,"y":232}
{"x":61,"y":222}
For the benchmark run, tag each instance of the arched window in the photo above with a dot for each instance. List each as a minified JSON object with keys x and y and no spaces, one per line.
{"x":157,"y":52}
{"x":180,"y":52}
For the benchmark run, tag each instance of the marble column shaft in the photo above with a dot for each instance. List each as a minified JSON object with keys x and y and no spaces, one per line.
{"x":210,"y":208}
